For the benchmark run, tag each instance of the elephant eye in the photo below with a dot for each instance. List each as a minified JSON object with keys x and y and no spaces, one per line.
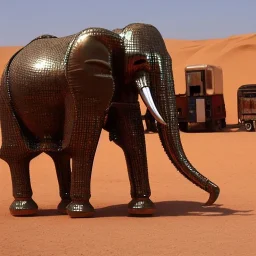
{"x":139,"y":62}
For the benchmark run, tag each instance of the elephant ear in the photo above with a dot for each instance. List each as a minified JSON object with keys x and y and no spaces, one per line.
{"x":89,"y":70}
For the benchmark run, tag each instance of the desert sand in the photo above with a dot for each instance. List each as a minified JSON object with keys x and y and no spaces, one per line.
{"x":181,"y":226}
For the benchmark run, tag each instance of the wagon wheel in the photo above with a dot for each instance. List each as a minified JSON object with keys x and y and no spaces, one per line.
{"x":249,"y":126}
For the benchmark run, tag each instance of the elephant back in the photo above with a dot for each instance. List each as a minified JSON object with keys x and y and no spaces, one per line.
{"x":34,"y":81}
{"x":38,"y":72}
{"x":44,"y":36}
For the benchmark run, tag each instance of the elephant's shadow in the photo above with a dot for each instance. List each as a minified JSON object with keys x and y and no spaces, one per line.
{"x":165,"y":208}
{"x":174,"y":208}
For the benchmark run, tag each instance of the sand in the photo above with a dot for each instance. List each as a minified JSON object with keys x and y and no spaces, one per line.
{"x":181,"y":226}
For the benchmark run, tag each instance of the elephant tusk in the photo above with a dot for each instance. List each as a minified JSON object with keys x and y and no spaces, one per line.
{"x":148,"y":100}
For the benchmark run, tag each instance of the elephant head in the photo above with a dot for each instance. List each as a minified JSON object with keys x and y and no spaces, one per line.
{"x":149,"y":68}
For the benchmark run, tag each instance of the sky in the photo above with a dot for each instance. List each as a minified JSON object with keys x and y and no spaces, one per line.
{"x":23,"y":20}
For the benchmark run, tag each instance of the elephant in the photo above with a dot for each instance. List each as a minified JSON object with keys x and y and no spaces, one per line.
{"x":57,"y":95}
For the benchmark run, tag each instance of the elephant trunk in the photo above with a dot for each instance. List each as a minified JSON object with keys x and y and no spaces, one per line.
{"x":170,"y":140}
{"x":162,"y":88}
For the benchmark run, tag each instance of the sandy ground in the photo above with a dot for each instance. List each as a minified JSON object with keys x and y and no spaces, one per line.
{"x":182,"y":226}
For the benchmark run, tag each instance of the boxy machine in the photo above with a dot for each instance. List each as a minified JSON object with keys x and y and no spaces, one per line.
{"x":203,"y":101}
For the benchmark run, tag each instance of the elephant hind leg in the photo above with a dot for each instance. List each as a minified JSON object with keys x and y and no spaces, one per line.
{"x":23,"y":204}
{"x":17,"y":154}
{"x":62,"y":165}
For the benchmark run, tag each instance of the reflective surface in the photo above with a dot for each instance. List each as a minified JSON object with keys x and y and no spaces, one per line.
{"x":56,"y":96}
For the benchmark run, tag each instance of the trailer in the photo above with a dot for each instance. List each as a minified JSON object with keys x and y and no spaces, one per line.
{"x":203,"y":101}
{"x":246,"y":106}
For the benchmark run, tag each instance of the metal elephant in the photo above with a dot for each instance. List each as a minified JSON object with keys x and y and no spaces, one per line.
{"x":56,"y":96}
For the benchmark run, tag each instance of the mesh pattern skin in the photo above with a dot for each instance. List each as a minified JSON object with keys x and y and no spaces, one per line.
{"x":56,"y":96}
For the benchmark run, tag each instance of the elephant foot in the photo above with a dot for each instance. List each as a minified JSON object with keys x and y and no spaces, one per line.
{"x":80,"y":209}
{"x":62,"y":206}
{"x":23,"y":207}
{"x":141,"y":206}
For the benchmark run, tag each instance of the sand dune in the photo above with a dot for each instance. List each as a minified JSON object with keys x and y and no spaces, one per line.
{"x":236,"y":56}
{"x":182,"y":226}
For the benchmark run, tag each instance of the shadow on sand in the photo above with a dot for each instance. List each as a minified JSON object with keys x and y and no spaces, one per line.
{"x":165,"y":208}
{"x":175,"y":208}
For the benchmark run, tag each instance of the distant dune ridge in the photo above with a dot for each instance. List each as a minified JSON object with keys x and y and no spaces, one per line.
{"x":235,"y":54}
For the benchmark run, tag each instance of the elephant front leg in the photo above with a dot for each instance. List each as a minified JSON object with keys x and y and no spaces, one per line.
{"x":128,"y":133}
{"x":63,"y":170}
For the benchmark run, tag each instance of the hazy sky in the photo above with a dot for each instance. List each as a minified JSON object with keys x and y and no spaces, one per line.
{"x":22,"y":20}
